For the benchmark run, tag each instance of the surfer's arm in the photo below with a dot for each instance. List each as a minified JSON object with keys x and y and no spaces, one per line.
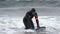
{"x":36,"y":18}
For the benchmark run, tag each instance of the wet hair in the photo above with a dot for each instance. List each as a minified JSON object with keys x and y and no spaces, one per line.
{"x":33,"y":10}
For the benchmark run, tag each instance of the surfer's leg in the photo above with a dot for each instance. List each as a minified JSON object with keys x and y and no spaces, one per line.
{"x":32,"y":25}
{"x":25,"y":23}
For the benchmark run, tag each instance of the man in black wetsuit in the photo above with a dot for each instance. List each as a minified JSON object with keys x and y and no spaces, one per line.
{"x":27,"y":20}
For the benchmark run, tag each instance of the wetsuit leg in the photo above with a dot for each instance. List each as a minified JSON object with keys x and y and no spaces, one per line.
{"x":31,"y":24}
{"x":25,"y":23}
{"x":28,"y":24}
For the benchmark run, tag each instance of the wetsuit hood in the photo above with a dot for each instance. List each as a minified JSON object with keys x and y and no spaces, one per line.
{"x":33,"y":10}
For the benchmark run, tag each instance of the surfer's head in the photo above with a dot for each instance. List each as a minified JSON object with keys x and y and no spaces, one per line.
{"x":33,"y":11}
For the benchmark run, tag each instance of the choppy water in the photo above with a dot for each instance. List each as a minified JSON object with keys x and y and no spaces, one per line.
{"x":12,"y":25}
{"x":11,"y":18}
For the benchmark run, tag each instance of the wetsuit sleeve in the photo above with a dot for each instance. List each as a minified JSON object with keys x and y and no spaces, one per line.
{"x":36,"y":18}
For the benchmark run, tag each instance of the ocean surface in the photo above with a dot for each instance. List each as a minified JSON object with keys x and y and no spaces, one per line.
{"x":12,"y":13}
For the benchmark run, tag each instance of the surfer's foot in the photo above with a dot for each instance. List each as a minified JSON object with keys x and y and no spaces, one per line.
{"x":38,"y":28}
{"x":26,"y":28}
{"x":29,"y":28}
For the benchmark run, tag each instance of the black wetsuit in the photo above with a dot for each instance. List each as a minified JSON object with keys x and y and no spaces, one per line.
{"x":27,"y":20}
